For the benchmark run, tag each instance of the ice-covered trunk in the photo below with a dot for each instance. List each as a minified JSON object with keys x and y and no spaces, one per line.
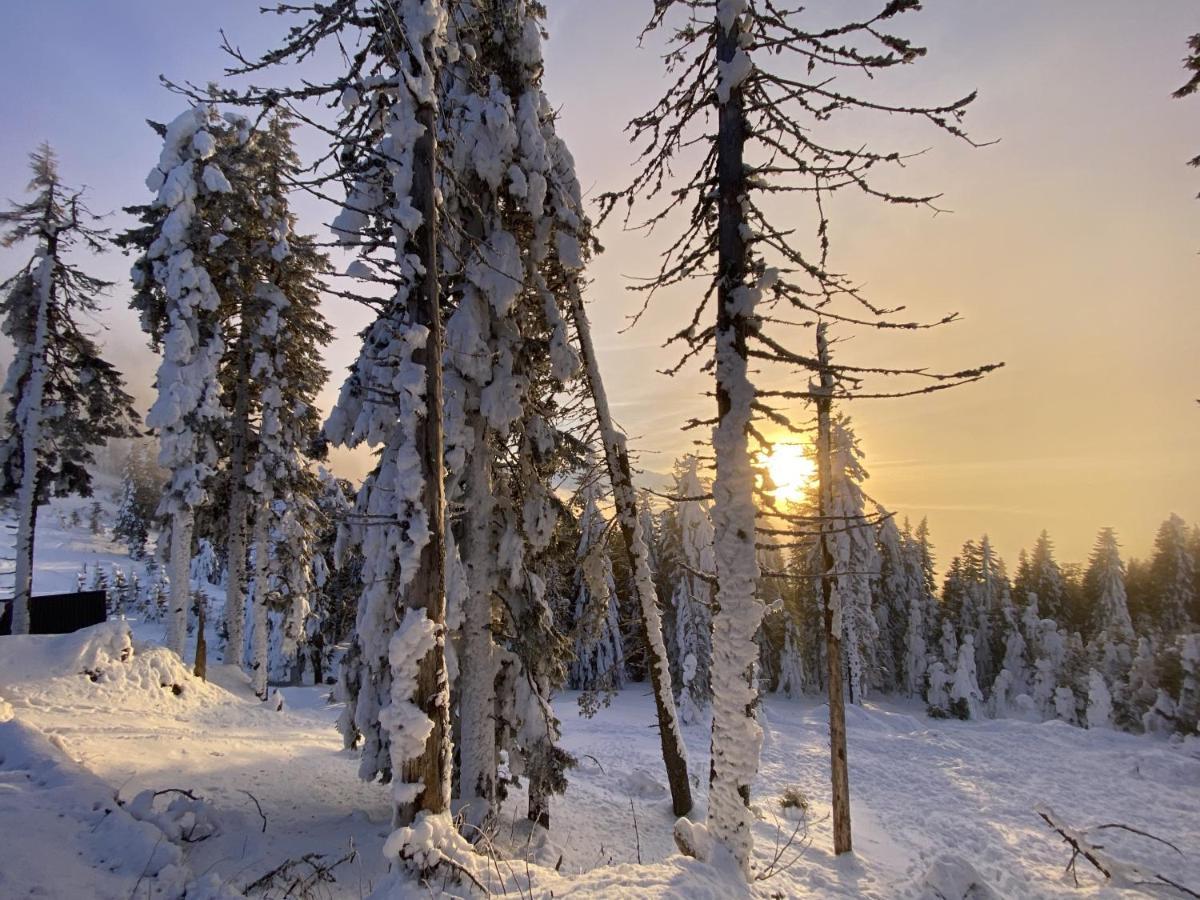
{"x":831,"y":605}
{"x":262,"y":534}
{"x":31,"y":435}
{"x":477,"y":697}
{"x":182,"y":524}
{"x":617,"y":457}
{"x":430,"y":771}
{"x":736,"y":735}
{"x":235,"y":587}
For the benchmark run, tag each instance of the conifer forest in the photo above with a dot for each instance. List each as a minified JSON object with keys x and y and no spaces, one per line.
{"x":627,"y":448}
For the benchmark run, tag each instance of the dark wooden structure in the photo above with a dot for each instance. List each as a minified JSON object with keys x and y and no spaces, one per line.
{"x":60,"y":613}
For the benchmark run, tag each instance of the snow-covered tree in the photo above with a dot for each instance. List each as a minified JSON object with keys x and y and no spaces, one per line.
{"x":691,"y":598}
{"x":1172,"y":579}
{"x":1041,"y":576}
{"x":1099,"y":702}
{"x":855,"y":558}
{"x":599,"y":663}
{"x":734,"y":105}
{"x":965,"y":695}
{"x":1110,"y":626}
{"x":176,"y":281}
{"x":63,"y":398}
{"x":139,"y":497}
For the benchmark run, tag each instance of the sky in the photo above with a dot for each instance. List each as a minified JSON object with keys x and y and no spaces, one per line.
{"x":1069,"y":246}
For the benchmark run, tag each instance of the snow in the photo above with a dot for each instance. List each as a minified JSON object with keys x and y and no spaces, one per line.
{"x":937,"y":805}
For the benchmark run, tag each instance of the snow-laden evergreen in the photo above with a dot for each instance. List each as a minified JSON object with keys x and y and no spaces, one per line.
{"x":599,"y":659}
{"x":691,"y":598}
{"x":851,"y":539}
{"x":180,"y":305}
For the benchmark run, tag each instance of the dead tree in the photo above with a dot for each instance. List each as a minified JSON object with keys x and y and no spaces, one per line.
{"x":752,"y":90}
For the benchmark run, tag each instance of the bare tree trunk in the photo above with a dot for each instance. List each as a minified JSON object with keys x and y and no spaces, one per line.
{"x":30,"y":438}
{"x":432,"y":769}
{"x":181,"y":582}
{"x":736,"y":735}
{"x":833,"y":622}
{"x":617,"y":456}
{"x":262,"y":534}
{"x":200,"y":670}
{"x":477,"y":693}
{"x":235,"y":586}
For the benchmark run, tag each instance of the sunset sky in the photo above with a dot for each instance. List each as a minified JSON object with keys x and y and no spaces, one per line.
{"x":1070,"y":248}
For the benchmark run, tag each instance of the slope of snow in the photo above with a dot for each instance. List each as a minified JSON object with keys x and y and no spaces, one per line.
{"x":90,"y":722}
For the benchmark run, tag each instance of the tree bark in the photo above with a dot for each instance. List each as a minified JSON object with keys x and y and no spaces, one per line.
{"x":617,"y":456}
{"x":833,"y":629}
{"x":477,"y":691}
{"x":262,"y":534}
{"x":736,"y":735}
{"x":432,"y":769}
{"x":181,"y":582}
{"x":235,"y":587}
{"x":30,"y":438}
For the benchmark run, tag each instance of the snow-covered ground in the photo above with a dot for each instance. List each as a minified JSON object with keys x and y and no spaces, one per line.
{"x":91,"y":722}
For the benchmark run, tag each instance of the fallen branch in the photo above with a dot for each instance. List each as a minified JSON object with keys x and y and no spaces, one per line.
{"x":290,"y":874}
{"x":1112,"y":869}
{"x":257,"y":806}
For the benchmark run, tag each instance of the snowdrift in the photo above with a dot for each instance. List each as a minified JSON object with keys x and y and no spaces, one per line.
{"x":99,"y":667}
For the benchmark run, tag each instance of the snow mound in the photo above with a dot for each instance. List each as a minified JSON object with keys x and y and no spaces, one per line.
{"x":101,"y":665}
{"x":641,"y":785}
{"x":34,"y":657}
{"x":953,"y":878}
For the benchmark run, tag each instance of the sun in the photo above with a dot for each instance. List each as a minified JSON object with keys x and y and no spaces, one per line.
{"x":791,"y":470}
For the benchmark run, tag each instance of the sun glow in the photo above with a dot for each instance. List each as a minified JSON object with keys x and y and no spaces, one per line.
{"x":791,"y":471}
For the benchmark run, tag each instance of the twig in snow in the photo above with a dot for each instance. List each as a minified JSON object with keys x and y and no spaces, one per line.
{"x":187,"y":794}
{"x":257,"y":806}
{"x":637,"y":836}
{"x":145,"y":868}
{"x":1106,"y":865}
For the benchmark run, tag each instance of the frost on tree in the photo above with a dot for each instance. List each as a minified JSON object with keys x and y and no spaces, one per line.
{"x":692,"y":596}
{"x":177,"y":296}
{"x":63,"y":398}
{"x":599,"y":663}
{"x":851,"y":540}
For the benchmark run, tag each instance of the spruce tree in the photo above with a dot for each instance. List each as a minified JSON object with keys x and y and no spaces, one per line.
{"x":691,"y":598}
{"x":599,"y":663}
{"x":176,"y":280}
{"x":1172,"y":580}
{"x":64,"y":399}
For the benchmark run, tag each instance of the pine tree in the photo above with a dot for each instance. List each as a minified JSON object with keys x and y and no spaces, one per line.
{"x":176,"y":280}
{"x":599,"y":664}
{"x":966,"y":698}
{"x":691,"y":598}
{"x":855,"y":558}
{"x":1172,"y":579}
{"x":135,"y":511}
{"x":286,"y":336}
{"x":1110,"y":626}
{"x":1046,"y":581}
{"x":64,"y":399}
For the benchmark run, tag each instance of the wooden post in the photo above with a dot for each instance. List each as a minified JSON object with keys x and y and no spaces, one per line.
{"x":833,"y":637}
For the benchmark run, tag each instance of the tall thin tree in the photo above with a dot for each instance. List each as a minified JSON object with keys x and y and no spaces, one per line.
{"x":64,"y":399}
